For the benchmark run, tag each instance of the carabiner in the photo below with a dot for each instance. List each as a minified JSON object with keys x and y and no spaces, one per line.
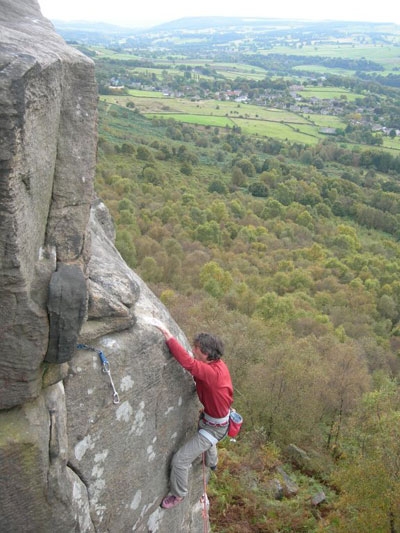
{"x":115,"y":398}
{"x":105,"y":367}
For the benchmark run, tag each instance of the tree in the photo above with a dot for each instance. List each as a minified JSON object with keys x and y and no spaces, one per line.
{"x":215,"y":280}
{"x":369,"y":472}
{"x":272,"y":209}
{"x":217,"y":186}
{"x":259,"y":189}
{"x":143,"y":153}
{"x":186,"y":168}
{"x":219,"y":211}
{"x":150,"y":270}
{"x":238,"y":177}
{"x":208,"y":233}
{"x":388,"y":307}
{"x":127,"y":148}
{"x":271,"y":306}
{"x":247,"y":167}
{"x":152,"y":175}
{"x":347,"y":379}
{"x":126,"y":247}
{"x":284,"y":194}
{"x":283,"y":391}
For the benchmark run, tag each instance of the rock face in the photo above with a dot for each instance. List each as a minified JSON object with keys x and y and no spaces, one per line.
{"x":47,"y":161}
{"x":81,"y":450}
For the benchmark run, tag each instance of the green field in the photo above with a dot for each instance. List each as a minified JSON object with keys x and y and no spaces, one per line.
{"x":326,"y":121}
{"x":251,"y":119}
{"x":238,"y":70}
{"x":393,"y":145}
{"x":222,"y":70}
{"x":385,"y":55}
{"x":328,"y":93}
{"x":109,"y":53}
{"x":156,"y":103}
{"x":322,"y":70}
{"x":200,"y":120}
{"x":233,"y":69}
{"x":374,"y":52}
{"x":302,"y":132}
{"x":144,"y":94}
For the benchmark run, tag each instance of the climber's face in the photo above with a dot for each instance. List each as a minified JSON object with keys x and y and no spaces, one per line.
{"x":199,"y":355}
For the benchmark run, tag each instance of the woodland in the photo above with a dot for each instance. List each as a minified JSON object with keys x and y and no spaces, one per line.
{"x":290,"y":252}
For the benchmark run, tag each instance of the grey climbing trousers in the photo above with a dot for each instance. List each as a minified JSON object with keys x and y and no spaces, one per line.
{"x":185,"y":456}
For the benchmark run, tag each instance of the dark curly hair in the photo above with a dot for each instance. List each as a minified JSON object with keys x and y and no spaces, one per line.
{"x":210,"y":345}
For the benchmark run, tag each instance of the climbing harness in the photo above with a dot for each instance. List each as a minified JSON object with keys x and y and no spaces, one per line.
{"x":105,"y":367}
{"x":204,"y":497}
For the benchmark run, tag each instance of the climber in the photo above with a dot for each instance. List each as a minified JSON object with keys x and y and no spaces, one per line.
{"x":215,"y":391}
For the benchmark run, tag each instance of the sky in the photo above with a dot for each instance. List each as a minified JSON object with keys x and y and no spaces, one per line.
{"x":142,"y":13}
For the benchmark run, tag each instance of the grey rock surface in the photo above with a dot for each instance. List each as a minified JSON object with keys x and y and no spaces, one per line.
{"x":47,"y":160}
{"x":72,"y":457}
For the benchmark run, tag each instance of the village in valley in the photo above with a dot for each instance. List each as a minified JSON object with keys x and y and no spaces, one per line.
{"x":346,"y":70}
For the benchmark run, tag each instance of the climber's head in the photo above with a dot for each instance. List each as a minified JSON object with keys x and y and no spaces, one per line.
{"x":207,"y":347}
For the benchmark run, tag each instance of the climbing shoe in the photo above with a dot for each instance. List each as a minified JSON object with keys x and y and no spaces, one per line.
{"x":213,"y":468}
{"x":169,"y":502}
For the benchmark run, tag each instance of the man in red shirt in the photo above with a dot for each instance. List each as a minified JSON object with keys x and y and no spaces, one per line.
{"x":215,"y":391}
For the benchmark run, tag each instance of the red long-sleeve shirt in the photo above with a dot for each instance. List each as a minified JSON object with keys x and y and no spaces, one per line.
{"x":213,"y":380}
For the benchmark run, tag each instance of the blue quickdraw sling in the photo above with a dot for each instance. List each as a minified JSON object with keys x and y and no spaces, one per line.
{"x":105,"y":367}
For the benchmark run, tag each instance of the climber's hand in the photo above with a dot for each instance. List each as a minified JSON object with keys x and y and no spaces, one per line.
{"x":152,"y":321}
{"x":167,"y":334}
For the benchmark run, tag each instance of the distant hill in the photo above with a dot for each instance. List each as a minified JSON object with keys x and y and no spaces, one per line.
{"x":198,"y":23}
{"x":92,"y":32}
{"x":223,"y":23}
{"x":102,"y":32}
{"x":186,"y":23}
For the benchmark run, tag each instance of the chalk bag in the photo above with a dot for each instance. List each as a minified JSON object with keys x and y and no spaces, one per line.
{"x":235,"y":423}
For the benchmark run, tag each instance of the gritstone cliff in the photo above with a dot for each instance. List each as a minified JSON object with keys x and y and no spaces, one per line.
{"x":72,"y":460}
